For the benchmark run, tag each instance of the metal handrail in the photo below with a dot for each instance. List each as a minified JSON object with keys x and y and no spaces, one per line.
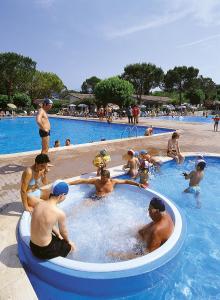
{"x":130,"y":130}
{"x":134,"y":128}
{"x":126,"y":129}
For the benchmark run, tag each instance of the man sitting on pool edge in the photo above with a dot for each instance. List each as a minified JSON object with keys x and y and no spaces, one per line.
{"x":46,"y":240}
{"x":154,"y":234}
{"x":105,"y":185}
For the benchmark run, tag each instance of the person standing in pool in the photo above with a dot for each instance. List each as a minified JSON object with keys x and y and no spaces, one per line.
{"x":44,"y":125}
{"x":154,"y":234}
{"x":105,"y":185}
{"x":47,"y":241}
{"x":195,"y":177}
{"x":30,"y":182}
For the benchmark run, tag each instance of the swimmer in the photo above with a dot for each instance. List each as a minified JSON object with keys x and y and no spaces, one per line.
{"x":143,"y":173}
{"x":173,"y":149}
{"x":30,"y":182}
{"x":132,"y":164}
{"x":67,"y":143}
{"x":57,"y":144}
{"x":149,"y":131}
{"x":105,"y":185}
{"x":194,"y":179}
{"x":48,"y":241}
{"x":154,"y":234}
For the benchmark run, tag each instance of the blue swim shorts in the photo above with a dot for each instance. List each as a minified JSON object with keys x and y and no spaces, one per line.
{"x":193,"y":189}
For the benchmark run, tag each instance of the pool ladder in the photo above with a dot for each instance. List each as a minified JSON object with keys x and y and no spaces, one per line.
{"x":129,"y":130}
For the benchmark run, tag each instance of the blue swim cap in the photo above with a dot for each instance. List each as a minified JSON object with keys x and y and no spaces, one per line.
{"x":48,"y":101}
{"x":142,"y":152}
{"x":136,"y":153}
{"x":59,"y":188}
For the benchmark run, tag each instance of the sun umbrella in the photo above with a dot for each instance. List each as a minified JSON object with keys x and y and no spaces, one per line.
{"x":113,"y":106}
{"x":11,"y":105}
{"x":72,"y":105}
{"x":82,"y":105}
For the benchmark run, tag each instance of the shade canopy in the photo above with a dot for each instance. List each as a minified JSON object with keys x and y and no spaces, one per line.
{"x":82,"y":105}
{"x":11,"y":105}
{"x":113,"y":106}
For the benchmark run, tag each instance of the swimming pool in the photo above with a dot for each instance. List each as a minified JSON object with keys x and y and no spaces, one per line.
{"x":196,"y":273}
{"x":187,"y":119}
{"x":21,"y":134}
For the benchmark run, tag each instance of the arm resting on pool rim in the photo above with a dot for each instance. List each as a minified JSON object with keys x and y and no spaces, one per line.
{"x":131,"y":182}
{"x":83,"y":181}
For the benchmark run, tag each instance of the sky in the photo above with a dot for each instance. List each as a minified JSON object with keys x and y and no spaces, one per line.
{"x":77,"y":39}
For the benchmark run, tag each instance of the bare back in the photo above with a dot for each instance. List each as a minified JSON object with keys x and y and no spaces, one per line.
{"x":44,"y":217}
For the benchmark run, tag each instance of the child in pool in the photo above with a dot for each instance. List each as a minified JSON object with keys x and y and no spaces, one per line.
{"x":132,"y":164}
{"x":195,"y":178}
{"x":143,"y":173}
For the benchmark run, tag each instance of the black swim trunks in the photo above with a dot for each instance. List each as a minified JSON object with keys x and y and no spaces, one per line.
{"x":57,"y":247}
{"x":44,"y":133}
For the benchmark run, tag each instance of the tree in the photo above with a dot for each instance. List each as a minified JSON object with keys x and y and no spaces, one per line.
{"x":114,"y":90}
{"x":15,"y":72}
{"x":89,"y":85}
{"x":144,"y":77}
{"x":4,"y":101}
{"x":208,"y":86}
{"x":21,"y":100}
{"x":44,"y":84}
{"x":195,"y":96}
{"x":180,"y":79}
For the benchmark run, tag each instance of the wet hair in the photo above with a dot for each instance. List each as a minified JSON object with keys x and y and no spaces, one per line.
{"x":175,"y":135}
{"x":42,"y":159}
{"x":157,"y":204}
{"x":201,"y":165}
{"x":105,"y":173}
{"x":56,"y":142}
{"x":67,"y":140}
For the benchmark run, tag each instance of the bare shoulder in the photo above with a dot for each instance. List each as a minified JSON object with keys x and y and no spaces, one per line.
{"x":27,"y":172}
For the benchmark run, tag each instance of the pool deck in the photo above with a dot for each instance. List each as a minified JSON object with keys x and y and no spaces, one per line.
{"x":73,"y":161}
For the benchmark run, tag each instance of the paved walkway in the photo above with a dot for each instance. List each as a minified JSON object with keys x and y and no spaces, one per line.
{"x":68,"y":163}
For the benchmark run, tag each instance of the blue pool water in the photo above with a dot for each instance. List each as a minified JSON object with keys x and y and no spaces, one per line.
{"x":21,"y":134}
{"x":188,"y":119}
{"x":197,"y":274}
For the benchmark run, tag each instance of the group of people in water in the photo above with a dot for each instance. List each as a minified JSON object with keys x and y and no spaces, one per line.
{"x":49,"y":235}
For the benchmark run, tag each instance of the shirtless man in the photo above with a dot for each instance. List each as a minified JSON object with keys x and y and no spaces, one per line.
{"x":30,"y":182}
{"x":47,"y":241}
{"x":105,"y":185}
{"x":132,"y":164}
{"x":154,"y":234}
{"x":173,"y":149}
{"x":44,"y":124}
